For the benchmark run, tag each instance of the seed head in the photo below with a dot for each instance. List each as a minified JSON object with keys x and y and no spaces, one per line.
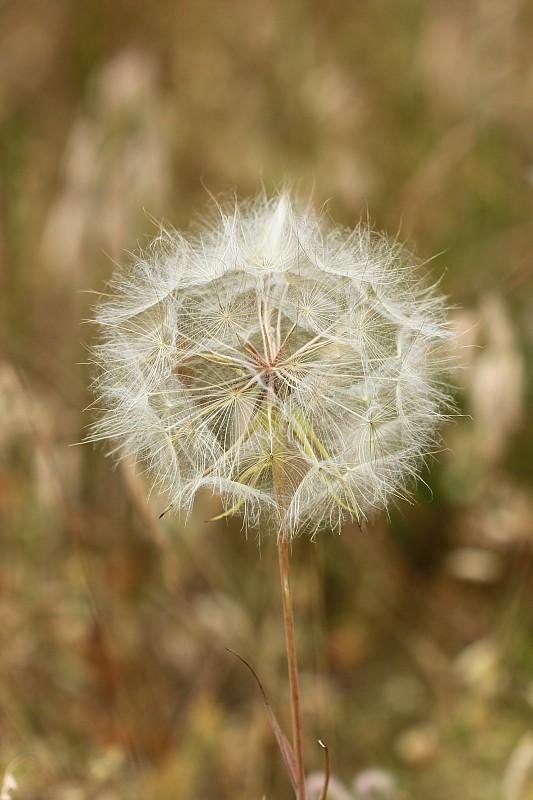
{"x":289,"y":366}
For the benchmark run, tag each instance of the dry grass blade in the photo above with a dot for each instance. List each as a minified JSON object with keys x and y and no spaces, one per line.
{"x":284,"y":746}
{"x":327,"y":771}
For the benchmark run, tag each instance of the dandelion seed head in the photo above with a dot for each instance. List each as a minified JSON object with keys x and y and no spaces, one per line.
{"x":290,"y":367}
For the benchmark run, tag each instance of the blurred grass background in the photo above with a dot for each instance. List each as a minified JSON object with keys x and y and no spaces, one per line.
{"x":416,"y":637}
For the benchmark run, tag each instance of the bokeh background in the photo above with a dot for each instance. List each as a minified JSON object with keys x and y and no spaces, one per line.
{"x":416,"y":636}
